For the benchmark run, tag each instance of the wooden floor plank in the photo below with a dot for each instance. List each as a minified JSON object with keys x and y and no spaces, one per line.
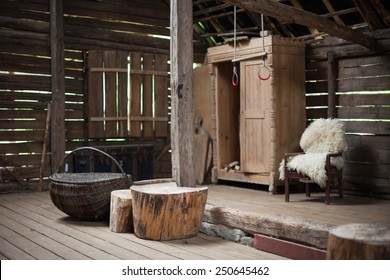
{"x":100,"y":230}
{"x":30,"y":220}
{"x":37,"y":237}
{"x":38,"y":209}
{"x":29,"y":247}
{"x":148,"y":249}
{"x":9,"y":251}
{"x":159,"y":249}
{"x":88,"y":244}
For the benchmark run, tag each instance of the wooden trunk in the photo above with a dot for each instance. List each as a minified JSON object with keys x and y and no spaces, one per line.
{"x":359,"y":242}
{"x":259,"y":120}
{"x":164,"y":211}
{"x":121,"y":216}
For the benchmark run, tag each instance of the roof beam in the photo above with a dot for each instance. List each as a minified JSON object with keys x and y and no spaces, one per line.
{"x":369,"y":14}
{"x":294,"y":15}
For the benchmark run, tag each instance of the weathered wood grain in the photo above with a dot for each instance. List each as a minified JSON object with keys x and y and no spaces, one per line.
{"x":182,"y":115}
{"x":165,"y":211}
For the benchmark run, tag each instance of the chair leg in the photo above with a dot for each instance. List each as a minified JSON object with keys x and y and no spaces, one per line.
{"x":327,"y":192}
{"x":286,"y":189}
{"x":307,"y":187}
{"x":340,"y":185}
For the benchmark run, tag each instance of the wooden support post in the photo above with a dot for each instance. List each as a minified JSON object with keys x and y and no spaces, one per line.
{"x":332,"y":80}
{"x":359,"y":242}
{"x":121,"y":215}
{"x":167,"y":211}
{"x":182,"y":118}
{"x":57,"y":83}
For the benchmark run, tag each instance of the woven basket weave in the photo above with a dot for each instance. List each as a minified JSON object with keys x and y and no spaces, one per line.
{"x":86,"y":195}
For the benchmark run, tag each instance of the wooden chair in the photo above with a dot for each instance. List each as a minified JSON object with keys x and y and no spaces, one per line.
{"x":333,"y":174}
{"x":323,"y":143}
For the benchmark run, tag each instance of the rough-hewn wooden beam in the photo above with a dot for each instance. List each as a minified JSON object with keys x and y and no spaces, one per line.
{"x":182,"y":118}
{"x":283,"y":227}
{"x":57,"y":83}
{"x":332,"y":79}
{"x":369,"y":14}
{"x":294,"y":15}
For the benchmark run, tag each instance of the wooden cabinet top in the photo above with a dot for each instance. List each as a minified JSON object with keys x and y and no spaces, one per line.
{"x":251,"y":47}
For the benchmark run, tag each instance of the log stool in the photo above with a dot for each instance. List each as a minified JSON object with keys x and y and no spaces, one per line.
{"x":164,"y":211}
{"x":121,"y":217}
{"x":359,"y":242}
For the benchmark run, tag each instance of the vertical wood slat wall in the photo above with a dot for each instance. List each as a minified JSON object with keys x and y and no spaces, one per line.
{"x":119,"y":107}
{"x":25,"y":70}
{"x":363,"y":102}
{"x":25,"y":88}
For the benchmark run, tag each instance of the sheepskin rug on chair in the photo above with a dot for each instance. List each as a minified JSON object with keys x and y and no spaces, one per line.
{"x":321,"y":137}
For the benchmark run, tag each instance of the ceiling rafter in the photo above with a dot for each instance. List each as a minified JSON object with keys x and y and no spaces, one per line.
{"x":298,"y":5}
{"x":382,"y":11}
{"x":369,"y":13}
{"x":293,"y":15}
{"x":330,"y":8}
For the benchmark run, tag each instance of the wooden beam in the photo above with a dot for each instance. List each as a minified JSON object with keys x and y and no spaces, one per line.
{"x":332,"y":80}
{"x":182,"y":119}
{"x":294,"y":15}
{"x":284,"y":227}
{"x":382,"y":11}
{"x":57,"y":83}
{"x":330,"y":8}
{"x":297,"y":4}
{"x":369,"y":14}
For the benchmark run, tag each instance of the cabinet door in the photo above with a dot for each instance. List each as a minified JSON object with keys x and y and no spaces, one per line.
{"x":254,"y":119}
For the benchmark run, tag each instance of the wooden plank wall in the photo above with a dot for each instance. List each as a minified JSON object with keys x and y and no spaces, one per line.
{"x":363,"y":102}
{"x":128,"y":94}
{"x":25,"y":88}
{"x":25,"y":69}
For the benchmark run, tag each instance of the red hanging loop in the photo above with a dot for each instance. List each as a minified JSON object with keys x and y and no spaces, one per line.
{"x":266,"y":77}
{"x":235,"y":79}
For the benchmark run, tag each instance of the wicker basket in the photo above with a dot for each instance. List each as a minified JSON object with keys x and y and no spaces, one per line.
{"x":86,"y":195}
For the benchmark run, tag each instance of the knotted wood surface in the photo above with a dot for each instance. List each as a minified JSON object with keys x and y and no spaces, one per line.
{"x":164,"y":211}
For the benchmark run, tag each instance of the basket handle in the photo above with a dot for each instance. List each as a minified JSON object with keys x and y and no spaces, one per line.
{"x":93,"y":149}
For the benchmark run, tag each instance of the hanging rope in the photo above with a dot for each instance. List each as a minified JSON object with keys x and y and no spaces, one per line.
{"x":264,"y":72}
{"x":235,"y":74}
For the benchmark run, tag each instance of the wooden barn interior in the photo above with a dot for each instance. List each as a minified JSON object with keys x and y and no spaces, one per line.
{"x":97,"y":73}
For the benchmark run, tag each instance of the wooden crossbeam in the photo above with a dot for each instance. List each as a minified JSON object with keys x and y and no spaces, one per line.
{"x":124,"y":70}
{"x":132,"y":118}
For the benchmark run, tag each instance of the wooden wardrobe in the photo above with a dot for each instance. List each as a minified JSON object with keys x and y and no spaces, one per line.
{"x":258,"y":120}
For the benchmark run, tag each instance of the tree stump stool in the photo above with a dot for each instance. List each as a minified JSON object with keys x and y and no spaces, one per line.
{"x":359,"y":242}
{"x":121,"y":217}
{"x":164,"y":211}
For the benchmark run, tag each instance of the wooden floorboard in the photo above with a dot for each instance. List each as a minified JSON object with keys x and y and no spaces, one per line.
{"x":31,"y":227}
{"x":350,"y":209}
